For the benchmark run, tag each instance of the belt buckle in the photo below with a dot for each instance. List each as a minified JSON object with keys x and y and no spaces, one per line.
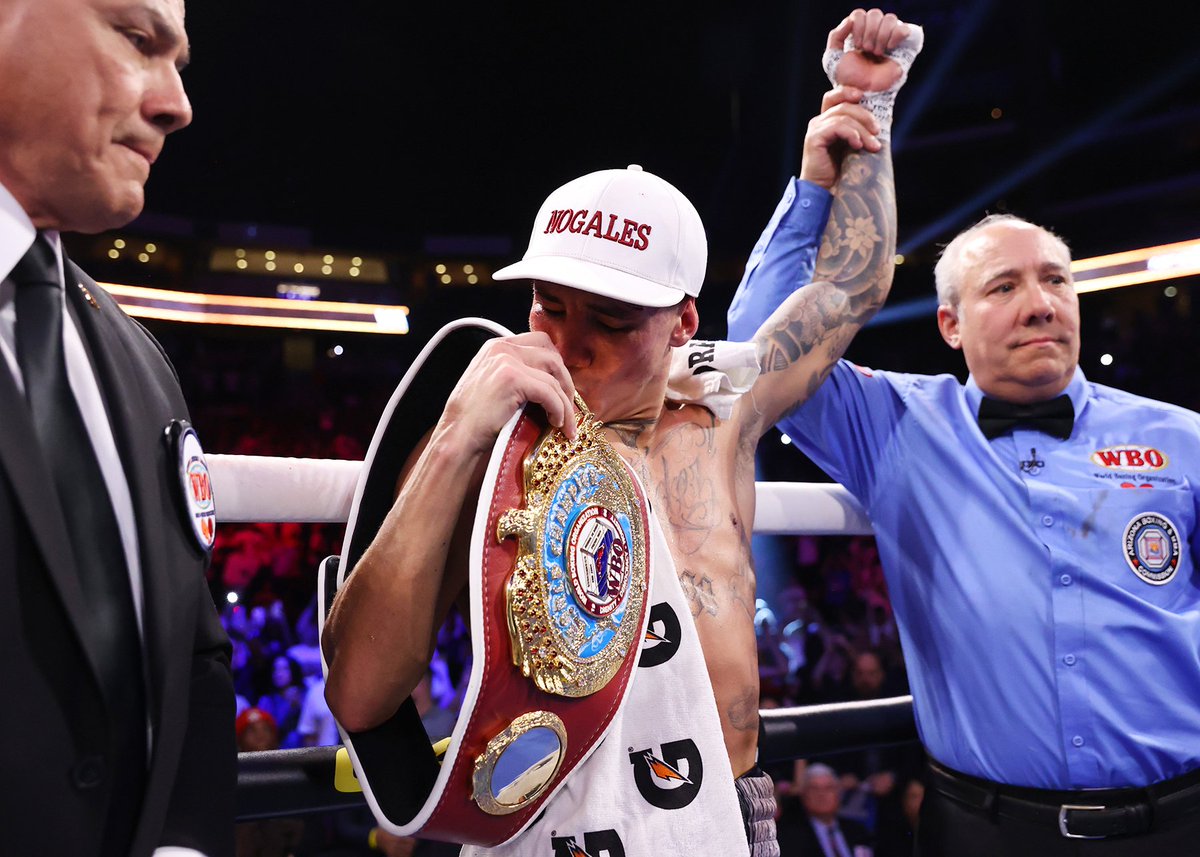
{"x":1062,"y":820}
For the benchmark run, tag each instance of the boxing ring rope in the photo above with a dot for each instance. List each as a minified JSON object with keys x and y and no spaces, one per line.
{"x":262,"y":489}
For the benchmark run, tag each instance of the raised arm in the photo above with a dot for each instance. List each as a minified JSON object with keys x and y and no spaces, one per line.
{"x":846,"y":147}
{"x":379,"y":637}
{"x":801,"y":341}
{"x":784,"y":258}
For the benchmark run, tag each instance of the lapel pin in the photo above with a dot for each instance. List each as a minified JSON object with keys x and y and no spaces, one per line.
{"x":88,"y":295}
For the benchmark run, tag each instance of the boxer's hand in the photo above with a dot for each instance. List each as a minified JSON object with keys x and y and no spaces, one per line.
{"x":873,"y":52}
{"x":507,"y":373}
{"x":870,"y":34}
{"x":841,"y":125}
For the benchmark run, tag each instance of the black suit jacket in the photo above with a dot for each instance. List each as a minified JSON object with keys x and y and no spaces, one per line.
{"x":798,"y":839}
{"x":54,"y":718}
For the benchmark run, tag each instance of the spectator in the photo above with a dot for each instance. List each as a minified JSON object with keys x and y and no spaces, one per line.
{"x":439,"y":722}
{"x":239,"y":665}
{"x":272,"y":837}
{"x":870,"y":775}
{"x":316,"y":726}
{"x":286,"y":697}
{"x":897,"y":838}
{"x":883,"y":636}
{"x":307,"y":651}
{"x":256,"y":730}
{"x":800,"y":638}
{"x":829,"y":681}
{"x":773,"y":666}
{"x":838,"y":596}
{"x":287,"y":549}
{"x":267,"y":627}
{"x":242,"y":556}
{"x":810,"y":827}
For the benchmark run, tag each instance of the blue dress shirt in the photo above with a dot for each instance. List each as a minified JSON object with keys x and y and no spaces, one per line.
{"x":792,"y":237}
{"x":1045,"y":589}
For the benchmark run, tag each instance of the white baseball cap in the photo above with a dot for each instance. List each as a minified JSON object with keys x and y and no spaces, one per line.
{"x":624,"y":234}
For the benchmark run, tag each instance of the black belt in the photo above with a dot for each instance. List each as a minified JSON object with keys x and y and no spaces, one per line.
{"x":1085,"y":814}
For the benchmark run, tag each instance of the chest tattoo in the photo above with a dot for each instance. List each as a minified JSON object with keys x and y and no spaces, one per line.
{"x":678,"y":465}
{"x":681,"y":465}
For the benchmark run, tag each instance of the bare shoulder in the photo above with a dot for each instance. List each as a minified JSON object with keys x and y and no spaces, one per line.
{"x":684,"y":436}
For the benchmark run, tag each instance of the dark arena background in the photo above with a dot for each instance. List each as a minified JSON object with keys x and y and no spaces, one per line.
{"x":394,"y":155}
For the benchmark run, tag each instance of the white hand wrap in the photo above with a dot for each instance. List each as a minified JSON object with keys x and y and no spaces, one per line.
{"x":881,"y":103}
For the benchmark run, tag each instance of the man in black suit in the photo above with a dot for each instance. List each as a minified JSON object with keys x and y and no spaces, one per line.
{"x":811,"y":827}
{"x":118,"y":711}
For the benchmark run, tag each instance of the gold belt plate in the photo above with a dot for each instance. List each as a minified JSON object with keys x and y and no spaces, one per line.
{"x":575,"y":596}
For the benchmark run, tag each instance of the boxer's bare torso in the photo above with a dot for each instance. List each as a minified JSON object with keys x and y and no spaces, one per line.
{"x":700,"y":478}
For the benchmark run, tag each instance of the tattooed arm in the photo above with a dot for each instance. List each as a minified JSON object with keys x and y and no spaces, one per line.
{"x":844,"y":151}
{"x":799,"y":344}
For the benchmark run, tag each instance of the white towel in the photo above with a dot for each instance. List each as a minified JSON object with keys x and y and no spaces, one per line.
{"x":712,"y":373}
{"x":623,"y":791}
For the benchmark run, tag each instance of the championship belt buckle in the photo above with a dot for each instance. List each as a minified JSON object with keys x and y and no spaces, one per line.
{"x":577,"y":592}
{"x":562,"y":591}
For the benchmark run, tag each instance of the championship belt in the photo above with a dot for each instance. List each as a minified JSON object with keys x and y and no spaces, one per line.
{"x":558,"y":589}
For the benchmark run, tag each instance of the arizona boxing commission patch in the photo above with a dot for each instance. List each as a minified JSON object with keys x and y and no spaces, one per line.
{"x":194,"y":481}
{"x":1151,"y":545}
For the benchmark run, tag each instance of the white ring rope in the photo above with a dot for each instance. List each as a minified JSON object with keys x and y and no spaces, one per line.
{"x":264,"y":489}
{"x":808,"y":508}
{"x":260,"y":488}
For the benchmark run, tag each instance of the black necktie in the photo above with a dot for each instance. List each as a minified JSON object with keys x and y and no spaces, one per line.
{"x":1054,"y":417}
{"x":91,"y":525}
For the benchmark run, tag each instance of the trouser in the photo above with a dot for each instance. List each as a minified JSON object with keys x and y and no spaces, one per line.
{"x":964,"y":816}
{"x":756,"y":797}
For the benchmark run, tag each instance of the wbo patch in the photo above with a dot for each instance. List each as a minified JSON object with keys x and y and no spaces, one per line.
{"x":195,"y":483}
{"x":1151,"y":545}
{"x":1130,"y":457}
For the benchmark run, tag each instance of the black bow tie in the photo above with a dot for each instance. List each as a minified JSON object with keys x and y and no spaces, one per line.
{"x":1055,"y":417}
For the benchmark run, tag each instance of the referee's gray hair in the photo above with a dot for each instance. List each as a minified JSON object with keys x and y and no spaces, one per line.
{"x":947,"y":273}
